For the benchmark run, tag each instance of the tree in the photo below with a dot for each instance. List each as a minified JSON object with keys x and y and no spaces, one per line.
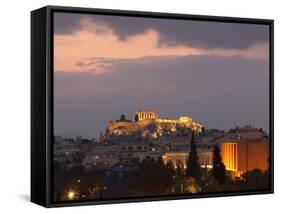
{"x":154,"y":177}
{"x":136,"y":117}
{"x":255,"y":179}
{"x":123,"y":117}
{"x":193,"y":168}
{"x":170,"y":172}
{"x":179,"y":169}
{"x":179,"y":179}
{"x":218,"y":166}
{"x":203,"y":129}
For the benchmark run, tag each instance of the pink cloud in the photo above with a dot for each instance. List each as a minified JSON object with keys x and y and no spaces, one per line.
{"x":91,"y":47}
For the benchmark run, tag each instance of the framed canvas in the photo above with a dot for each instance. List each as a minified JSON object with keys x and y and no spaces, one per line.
{"x":133,"y":106}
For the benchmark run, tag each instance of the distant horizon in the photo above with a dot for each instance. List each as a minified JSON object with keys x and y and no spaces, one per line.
{"x":105,"y":66}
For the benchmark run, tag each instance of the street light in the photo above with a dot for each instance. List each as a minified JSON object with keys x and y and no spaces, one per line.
{"x":71,"y":195}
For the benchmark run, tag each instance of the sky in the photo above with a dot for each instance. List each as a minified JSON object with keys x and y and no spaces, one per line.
{"x":105,"y":66}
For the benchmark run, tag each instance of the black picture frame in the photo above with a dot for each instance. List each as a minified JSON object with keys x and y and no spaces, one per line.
{"x":42,"y":102}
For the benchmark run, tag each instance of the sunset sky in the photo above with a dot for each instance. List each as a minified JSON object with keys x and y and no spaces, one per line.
{"x":217,"y":73}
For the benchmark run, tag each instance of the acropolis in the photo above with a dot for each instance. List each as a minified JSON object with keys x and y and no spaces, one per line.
{"x":149,"y":124}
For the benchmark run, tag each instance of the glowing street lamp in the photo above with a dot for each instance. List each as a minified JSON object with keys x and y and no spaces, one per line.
{"x":71,"y":195}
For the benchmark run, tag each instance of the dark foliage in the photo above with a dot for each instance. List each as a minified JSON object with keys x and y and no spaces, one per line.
{"x":218,"y":171}
{"x":255,"y":180}
{"x":180,"y":169}
{"x":193,"y":167}
{"x":136,"y":118}
{"x":123,"y":117}
{"x":154,"y":177}
{"x":77,"y":179}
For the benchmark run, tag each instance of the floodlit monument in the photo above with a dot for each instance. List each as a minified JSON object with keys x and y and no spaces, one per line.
{"x":148,"y":124}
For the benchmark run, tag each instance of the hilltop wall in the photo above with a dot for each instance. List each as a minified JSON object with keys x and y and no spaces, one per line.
{"x":151,"y":127}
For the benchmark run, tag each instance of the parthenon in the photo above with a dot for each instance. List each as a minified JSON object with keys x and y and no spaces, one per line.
{"x":146,"y":114}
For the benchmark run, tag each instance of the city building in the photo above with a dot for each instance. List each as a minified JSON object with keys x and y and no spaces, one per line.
{"x":245,"y":150}
{"x":67,"y":152}
{"x":104,"y":156}
{"x":126,"y":142}
{"x":205,"y":158}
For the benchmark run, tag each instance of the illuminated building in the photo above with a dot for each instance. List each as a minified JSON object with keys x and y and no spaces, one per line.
{"x":186,"y":119}
{"x":146,"y":115}
{"x":245,"y":150}
{"x":205,"y":158}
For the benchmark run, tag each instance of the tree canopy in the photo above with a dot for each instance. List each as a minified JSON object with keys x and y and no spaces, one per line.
{"x":193,"y":167}
{"x":218,"y":166}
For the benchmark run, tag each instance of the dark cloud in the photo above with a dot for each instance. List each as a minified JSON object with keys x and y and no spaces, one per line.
{"x":221,"y":92}
{"x":172,"y":32}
